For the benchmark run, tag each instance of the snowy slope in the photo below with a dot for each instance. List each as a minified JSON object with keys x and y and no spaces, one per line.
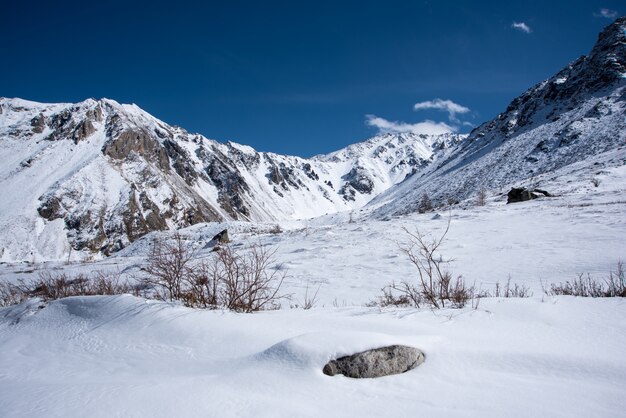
{"x":578,"y":113}
{"x":97,"y":175}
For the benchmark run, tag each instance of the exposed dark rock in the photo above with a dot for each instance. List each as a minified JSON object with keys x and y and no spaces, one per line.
{"x":202,"y":213}
{"x":140,"y":142}
{"x":348,"y":192}
{"x":38,"y":123}
{"x":61,"y":125}
{"x":239,"y":157}
{"x":274,"y":175}
{"x":50,"y":207}
{"x":134,"y":222}
{"x":378,"y":362}
{"x":153,"y":218}
{"x":284,"y":176}
{"x":357,"y":180}
{"x":96,"y":113}
{"x":83,"y":130}
{"x":521,"y":194}
{"x":162,"y":132}
{"x":221,"y":237}
{"x":230,"y":184}
{"x":310,"y":173}
{"x":181,"y":162}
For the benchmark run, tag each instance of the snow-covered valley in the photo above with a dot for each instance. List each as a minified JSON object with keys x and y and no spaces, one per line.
{"x":540,"y":356}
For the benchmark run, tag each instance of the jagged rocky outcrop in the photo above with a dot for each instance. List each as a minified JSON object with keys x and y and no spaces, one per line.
{"x":575,"y":114}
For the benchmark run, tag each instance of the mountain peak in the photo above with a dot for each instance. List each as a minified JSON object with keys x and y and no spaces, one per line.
{"x":609,"y":52}
{"x":569,"y":118}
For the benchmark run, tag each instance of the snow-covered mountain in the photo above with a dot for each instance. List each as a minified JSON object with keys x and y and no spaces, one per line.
{"x":97,"y":175}
{"x":575,"y":114}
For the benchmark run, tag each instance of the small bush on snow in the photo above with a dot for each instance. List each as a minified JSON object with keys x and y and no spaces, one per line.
{"x":481,"y":197}
{"x":229,"y":278}
{"x":435,"y":285}
{"x":51,"y":286}
{"x":586,"y":286}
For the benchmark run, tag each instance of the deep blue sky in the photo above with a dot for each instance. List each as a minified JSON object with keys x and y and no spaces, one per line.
{"x":292,"y":77}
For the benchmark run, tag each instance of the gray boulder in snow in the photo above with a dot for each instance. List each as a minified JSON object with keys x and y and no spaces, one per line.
{"x":383,"y":361}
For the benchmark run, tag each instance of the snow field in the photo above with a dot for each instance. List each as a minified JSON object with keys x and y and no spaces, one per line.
{"x":123,"y":356}
{"x":539,"y":356}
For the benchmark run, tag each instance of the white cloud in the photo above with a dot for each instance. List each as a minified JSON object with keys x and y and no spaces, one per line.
{"x":606,"y":13}
{"x":446,"y":105}
{"x":427,"y":127}
{"x":522,"y":27}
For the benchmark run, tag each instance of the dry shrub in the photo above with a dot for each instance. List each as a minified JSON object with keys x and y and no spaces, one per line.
{"x":481,"y":197}
{"x":11,"y":294}
{"x":425,"y":204}
{"x":435,"y":286}
{"x":241,"y":281}
{"x":586,"y":286}
{"x":202,"y":285}
{"x":168,"y":267}
{"x":508,"y":291}
{"x":247,"y":283}
{"x":51,"y":286}
{"x":398,"y":294}
{"x":310,"y":299}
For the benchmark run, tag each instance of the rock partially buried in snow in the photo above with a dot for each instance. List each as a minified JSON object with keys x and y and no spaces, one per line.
{"x":383,"y":361}
{"x":522,"y":194}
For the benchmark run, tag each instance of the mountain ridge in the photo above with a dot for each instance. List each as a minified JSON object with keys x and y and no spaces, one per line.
{"x":103,"y":174}
{"x":97,"y":175}
{"x":577,"y":113}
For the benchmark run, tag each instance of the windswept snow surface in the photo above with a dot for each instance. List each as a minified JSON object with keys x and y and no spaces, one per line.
{"x":123,"y":356}
{"x":539,"y":356}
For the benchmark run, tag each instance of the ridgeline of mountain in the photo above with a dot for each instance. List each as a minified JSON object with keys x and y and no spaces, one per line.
{"x":575,"y":114}
{"x":97,"y":175}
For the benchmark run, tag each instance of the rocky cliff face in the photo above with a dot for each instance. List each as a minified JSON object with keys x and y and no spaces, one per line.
{"x":575,"y":114}
{"x":100,"y":174}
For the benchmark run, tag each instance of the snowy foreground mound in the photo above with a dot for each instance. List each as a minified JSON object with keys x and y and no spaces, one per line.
{"x":124,"y":356}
